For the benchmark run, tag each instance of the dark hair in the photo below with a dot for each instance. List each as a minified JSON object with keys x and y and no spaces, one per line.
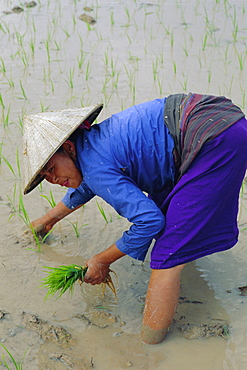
{"x":72,"y":137}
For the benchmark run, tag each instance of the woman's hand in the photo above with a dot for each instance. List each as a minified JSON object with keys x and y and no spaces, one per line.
{"x":98,"y":265}
{"x":97,"y":271}
{"x":39,"y":227}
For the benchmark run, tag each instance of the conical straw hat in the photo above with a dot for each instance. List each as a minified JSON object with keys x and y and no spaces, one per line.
{"x":44,"y":133}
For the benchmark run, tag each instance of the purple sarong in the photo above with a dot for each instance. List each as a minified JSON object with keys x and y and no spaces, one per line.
{"x":201,"y":210}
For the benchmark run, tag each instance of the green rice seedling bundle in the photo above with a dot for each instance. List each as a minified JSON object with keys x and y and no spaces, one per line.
{"x":62,"y":278}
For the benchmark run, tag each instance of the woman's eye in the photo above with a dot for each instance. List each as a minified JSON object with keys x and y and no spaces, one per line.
{"x":51,"y":169}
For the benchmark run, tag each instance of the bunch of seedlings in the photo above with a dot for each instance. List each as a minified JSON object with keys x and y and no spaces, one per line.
{"x":63,"y":278}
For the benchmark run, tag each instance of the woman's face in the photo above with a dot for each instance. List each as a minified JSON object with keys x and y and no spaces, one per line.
{"x":61,"y":169}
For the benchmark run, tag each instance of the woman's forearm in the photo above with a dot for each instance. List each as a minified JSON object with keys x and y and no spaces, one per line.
{"x":53,"y":216}
{"x":98,"y":265}
{"x":110,"y":255}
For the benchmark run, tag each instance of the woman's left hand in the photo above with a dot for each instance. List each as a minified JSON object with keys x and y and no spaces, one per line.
{"x":97,"y":270}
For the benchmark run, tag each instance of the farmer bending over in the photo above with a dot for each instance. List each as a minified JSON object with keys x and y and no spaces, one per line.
{"x":187,"y":152}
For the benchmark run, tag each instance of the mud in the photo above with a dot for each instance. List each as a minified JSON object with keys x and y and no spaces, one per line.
{"x":87,"y":18}
{"x":47,"y":332}
{"x":203,"y":331}
{"x":243,"y":290}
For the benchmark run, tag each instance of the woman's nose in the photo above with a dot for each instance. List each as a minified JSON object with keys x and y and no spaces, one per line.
{"x":52,"y":179}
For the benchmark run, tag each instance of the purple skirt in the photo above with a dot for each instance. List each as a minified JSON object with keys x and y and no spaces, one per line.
{"x":201,"y":210}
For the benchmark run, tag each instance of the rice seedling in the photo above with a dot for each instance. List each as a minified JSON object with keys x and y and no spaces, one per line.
{"x":235,"y":25}
{"x":172,"y":39}
{"x":54,"y":22}
{"x":23,"y":212}
{"x":74,"y":19}
{"x":1,"y":150}
{"x":9,"y":166}
{"x":89,"y":28}
{"x":243,"y":97}
{"x":18,"y":163}
{"x":23,"y":91}
{"x":1,"y":101}
{"x":241,"y":57}
{"x":112,"y":18}
{"x":37,"y":233}
{"x":150,"y":34}
{"x":129,"y":39}
{"x":5,"y":117}
{"x":115,"y":83}
{"x":209,"y":76}
{"x":19,"y":123}
{"x":24,"y":58}
{"x":12,"y":206}
{"x":184,"y":23}
{"x":50,"y":199}
{"x":57,"y":45}
{"x":70,"y":79}
{"x":18,"y":365}
{"x":102,"y":212}
{"x":184,"y":83}
{"x":112,"y":71}
{"x":32,"y":45}
{"x":126,"y":10}
{"x":235,"y":33}
{"x":76,"y":228}
{"x":2,"y":66}
{"x":155,"y":69}
{"x":61,"y":279}
{"x":10,"y":81}
{"x":174,"y":67}
{"x":70,"y":99}
{"x":104,"y":87}
{"x":80,"y":59}
{"x":65,"y":30}
{"x":135,"y":61}
{"x":19,"y":37}
{"x":185,"y":49}
{"x":33,"y":26}
{"x":229,"y":87}
{"x":160,"y":84}
{"x":204,"y":41}
{"x":13,"y":56}
{"x":47,"y":48}
{"x":226,"y":53}
{"x":2,"y":28}
{"x":43,"y":108}
{"x":88,"y":70}
{"x":46,"y":75}
{"x":52,"y":86}
{"x":12,"y":201}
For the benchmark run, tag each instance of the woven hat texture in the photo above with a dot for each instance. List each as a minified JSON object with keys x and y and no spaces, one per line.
{"x":44,"y":133}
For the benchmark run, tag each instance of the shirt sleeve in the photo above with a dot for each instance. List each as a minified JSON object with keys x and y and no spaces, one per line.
{"x":121,"y":192}
{"x":78,"y":196}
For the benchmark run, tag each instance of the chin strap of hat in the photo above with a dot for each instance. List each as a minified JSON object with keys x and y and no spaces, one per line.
{"x":86,"y":125}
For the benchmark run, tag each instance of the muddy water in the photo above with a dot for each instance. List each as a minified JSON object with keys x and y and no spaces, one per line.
{"x":132,"y":52}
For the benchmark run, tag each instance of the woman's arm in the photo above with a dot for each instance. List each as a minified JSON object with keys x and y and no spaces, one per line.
{"x":46,"y":222}
{"x":98,"y":265}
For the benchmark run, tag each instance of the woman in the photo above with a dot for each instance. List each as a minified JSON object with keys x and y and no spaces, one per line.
{"x":188,"y":152}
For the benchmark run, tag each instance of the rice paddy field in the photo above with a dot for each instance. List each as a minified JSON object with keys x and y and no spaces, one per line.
{"x":58,"y":54}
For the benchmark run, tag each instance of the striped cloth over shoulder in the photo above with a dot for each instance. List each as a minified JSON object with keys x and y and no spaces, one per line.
{"x":194,"y":119}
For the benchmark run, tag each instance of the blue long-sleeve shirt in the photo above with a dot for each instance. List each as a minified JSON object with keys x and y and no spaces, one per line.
{"x":120,"y":158}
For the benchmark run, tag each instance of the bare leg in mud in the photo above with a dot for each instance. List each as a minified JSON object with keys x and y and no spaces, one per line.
{"x":161,"y":303}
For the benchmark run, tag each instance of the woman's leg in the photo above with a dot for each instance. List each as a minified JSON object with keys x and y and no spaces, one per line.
{"x":161,"y":303}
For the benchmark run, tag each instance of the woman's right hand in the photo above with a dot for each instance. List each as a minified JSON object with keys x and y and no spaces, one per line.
{"x":40,"y":227}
